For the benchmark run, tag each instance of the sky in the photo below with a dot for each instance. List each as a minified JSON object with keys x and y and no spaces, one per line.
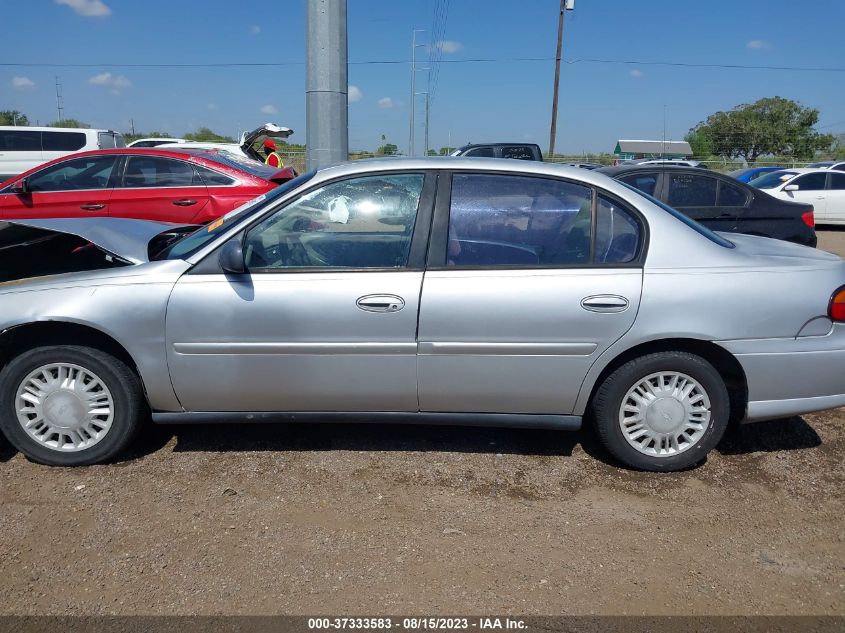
{"x":503,"y":100}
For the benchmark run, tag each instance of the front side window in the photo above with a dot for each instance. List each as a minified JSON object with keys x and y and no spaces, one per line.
{"x":80,"y":173}
{"x":810,"y":182}
{"x":646,"y":183}
{"x":365,"y":222}
{"x":63,"y":141}
{"x":686,"y":190}
{"x":839,"y":167}
{"x":499,"y":220}
{"x":837,"y":181}
{"x":152,"y":171}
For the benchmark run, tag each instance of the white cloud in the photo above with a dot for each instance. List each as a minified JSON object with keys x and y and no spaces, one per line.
{"x":112,"y":81}
{"x":449,"y":46}
{"x":23,"y":83}
{"x":269,"y":109}
{"x":636,"y":73}
{"x":385,"y":103}
{"x":255,"y":29}
{"x":87,"y":8}
{"x":758,"y":44}
{"x":354,"y":94}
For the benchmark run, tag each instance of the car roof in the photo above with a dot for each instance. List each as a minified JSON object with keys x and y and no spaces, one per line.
{"x":618,"y":169}
{"x":498,"y":144}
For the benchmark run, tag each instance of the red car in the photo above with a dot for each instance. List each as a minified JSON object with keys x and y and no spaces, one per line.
{"x":183,"y":186}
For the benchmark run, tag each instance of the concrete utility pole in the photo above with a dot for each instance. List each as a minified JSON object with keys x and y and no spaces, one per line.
{"x":414,"y":47}
{"x":326,"y":84}
{"x":565,"y":5}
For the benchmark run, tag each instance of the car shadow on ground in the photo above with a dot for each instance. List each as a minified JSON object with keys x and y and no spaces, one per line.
{"x":778,"y":435}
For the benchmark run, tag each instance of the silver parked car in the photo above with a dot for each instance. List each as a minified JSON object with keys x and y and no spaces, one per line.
{"x":466,"y":291}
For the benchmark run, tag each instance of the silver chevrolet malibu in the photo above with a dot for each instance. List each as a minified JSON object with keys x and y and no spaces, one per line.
{"x":446,"y":291}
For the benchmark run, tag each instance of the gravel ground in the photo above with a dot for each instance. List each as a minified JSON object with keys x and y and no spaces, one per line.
{"x":356,"y":519}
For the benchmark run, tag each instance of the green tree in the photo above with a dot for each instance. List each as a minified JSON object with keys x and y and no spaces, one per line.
{"x":129,"y":137}
{"x":13,"y":117}
{"x":445,"y":151}
{"x":206,"y":135}
{"x":837,"y":148}
{"x":68,"y":123}
{"x":388,"y":149}
{"x":699,"y":141}
{"x":773,"y":125}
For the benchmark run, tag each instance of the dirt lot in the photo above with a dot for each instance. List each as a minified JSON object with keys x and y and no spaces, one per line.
{"x":373,"y":519}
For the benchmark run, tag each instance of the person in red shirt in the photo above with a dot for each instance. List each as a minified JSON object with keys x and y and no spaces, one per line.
{"x":273,"y":158}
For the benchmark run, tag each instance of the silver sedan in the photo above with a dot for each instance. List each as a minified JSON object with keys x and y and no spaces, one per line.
{"x":453,"y":291}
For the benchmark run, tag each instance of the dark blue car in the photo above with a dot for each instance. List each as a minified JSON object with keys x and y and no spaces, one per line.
{"x":750,"y":173}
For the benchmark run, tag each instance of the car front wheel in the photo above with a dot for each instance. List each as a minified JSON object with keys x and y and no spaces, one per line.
{"x":663,"y":411}
{"x":69,"y":405}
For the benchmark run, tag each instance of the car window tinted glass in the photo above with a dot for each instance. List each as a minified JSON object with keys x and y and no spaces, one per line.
{"x":810,"y":182}
{"x":617,"y":233}
{"x":837,"y":181}
{"x":63,"y":141}
{"x":81,"y":173}
{"x":20,"y":141}
{"x":771,"y":180}
{"x":497,"y":220}
{"x":839,"y":167}
{"x":731,"y":195}
{"x":643,"y":182}
{"x":481,"y":152}
{"x":363,"y":222}
{"x":213,"y":178}
{"x":686,"y":190}
{"x":106,"y":140}
{"x":520,"y":152}
{"x":151,"y":171}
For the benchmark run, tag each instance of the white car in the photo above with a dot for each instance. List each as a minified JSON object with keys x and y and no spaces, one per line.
{"x":22,"y":148}
{"x":155,"y":142}
{"x":829,"y":164}
{"x":822,"y":188}
{"x":243,"y":147}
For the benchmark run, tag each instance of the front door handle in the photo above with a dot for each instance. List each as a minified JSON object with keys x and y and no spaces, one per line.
{"x":380,"y":303}
{"x":605,"y":303}
{"x":184,"y":202}
{"x":92,"y":207}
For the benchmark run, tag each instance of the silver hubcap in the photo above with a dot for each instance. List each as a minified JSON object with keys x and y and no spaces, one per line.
{"x":665,"y":414}
{"x":64,"y":407}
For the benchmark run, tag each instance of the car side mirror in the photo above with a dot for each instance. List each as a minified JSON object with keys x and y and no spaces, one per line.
{"x":20,"y":186}
{"x":232,"y":257}
{"x":791,"y":188}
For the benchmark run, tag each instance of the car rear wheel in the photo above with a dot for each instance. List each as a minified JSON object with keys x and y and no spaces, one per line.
{"x":663,"y":411}
{"x":69,"y":405}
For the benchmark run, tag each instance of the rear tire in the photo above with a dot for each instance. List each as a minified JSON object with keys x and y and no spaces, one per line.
{"x":69,"y":405}
{"x":662,"y":412}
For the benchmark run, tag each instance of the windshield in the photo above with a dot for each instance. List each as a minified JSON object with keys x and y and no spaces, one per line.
{"x":190,"y":244}
{"x":699,"y":228}
{"x":772,"y":179}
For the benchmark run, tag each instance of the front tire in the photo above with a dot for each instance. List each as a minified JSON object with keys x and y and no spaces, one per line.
{"x":662,"y":412}
{"x":69,"y":405}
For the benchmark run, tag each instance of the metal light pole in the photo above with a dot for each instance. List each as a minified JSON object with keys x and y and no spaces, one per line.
{"x":414,"y":47}
{"x":565,"y":5}
{"x":326,"y":84}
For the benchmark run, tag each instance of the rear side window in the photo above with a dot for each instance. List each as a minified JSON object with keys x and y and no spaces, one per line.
{"x":214,"y":178}
{"x":481,"y":152}
{"x":63,"y":141}
{"x":644,"y":182}
{"x":731,"y":195}
{"x":497,"y":220}
{"x":837,"y":181}
{"x":520,"y":152}
{"x":686,"y":190}
{"x":20,"y":141}
{"x":810,"y":182}
{"x":152,"y":171}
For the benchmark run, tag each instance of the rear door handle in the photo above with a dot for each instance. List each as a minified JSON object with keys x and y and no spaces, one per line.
{"x":185,"y":202}
{"x":92,"y":207}
{"x":380,"y":303}
{"x":605,"y":303}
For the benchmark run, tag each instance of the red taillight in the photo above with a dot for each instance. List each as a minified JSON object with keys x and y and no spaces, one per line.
{"x":809,"y":219}
{"x":836,"y":310}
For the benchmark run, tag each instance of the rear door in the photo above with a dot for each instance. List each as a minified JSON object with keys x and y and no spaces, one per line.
{"x":522,"y":293}
{"x":835,"y":203}
{"x":79,"y":187}
{"x":696,"y":195}
{"x":159,"y":188}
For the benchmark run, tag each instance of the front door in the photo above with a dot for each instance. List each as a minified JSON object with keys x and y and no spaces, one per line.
{"x":80,"y":187}
{"x":325,"y":318}
{"x":530,"y":279}
{"x":161,"y":189}
{"x":811,"y":191}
